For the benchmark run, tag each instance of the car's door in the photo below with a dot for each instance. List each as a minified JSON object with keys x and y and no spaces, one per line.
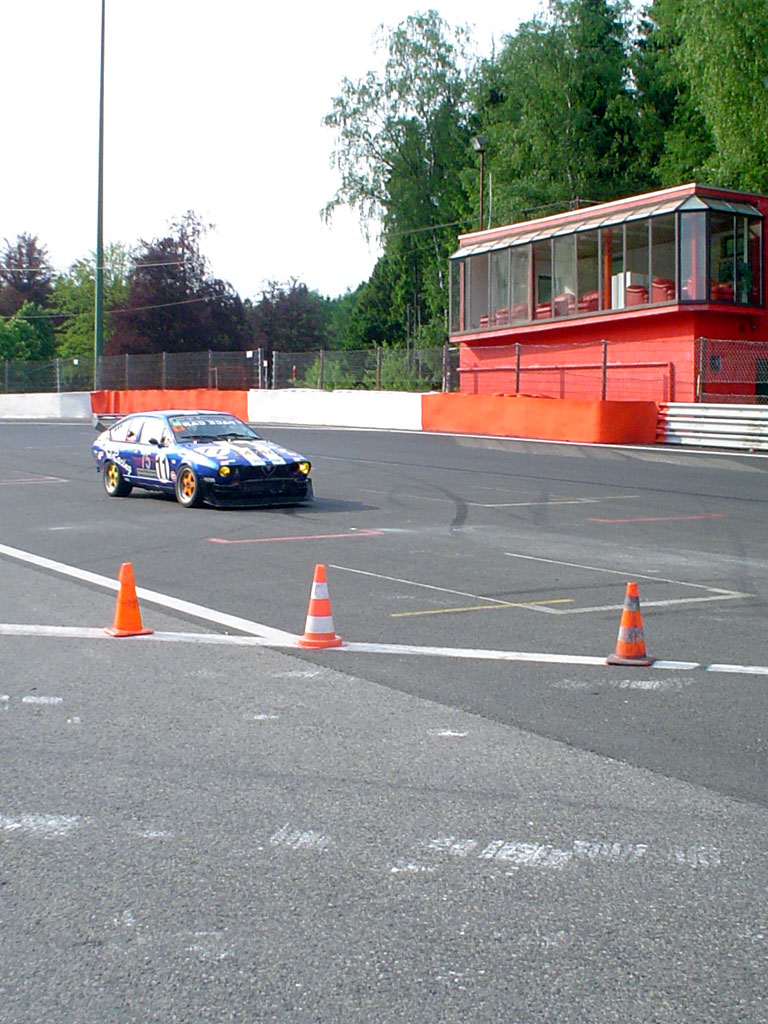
{"x":152,"y":468}
{"x":123,"y":445}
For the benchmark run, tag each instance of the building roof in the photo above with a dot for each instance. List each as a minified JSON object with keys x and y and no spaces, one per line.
{"x":686,"y":197}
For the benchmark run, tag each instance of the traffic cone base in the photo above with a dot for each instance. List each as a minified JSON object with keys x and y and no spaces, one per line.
{"x":318,"y":630}
{"x":127,"y":615}
{"x":630,"y":645}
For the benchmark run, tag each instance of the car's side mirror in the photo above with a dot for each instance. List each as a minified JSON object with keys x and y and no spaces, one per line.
{"x":154,"y":441}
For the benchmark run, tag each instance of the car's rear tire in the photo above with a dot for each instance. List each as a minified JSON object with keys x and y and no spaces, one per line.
{"x":115,"y":483}
{"x":189,"y":490}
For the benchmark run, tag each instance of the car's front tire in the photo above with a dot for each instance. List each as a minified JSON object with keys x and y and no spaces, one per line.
{"x":189,"y":490}
{"x":115,"y":483}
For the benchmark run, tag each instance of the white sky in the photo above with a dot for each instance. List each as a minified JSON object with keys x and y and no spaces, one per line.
{"x":211,"y":105}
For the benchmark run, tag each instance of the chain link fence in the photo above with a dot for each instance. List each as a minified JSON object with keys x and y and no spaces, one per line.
{"x":724,"y":371}
{"x":430,"y":369}
{"x":732,"y":371}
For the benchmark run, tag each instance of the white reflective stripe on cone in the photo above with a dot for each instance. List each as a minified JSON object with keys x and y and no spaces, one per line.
{"x":319,"y":625}
{"x":320,"y":591}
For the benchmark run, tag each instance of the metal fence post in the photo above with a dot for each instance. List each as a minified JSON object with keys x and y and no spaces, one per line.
{"x":320,"y":373}
{"x":274,"y":368}
{"x":378,"y":367}
{"x":701,"y":377}
{"x":604,"y":389}
{"x":165,"y":374}
{"x":517,"y":368}
{"x":58,"y":376}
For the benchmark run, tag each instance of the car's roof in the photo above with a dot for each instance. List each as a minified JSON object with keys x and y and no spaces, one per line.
{"x":181,"y":412}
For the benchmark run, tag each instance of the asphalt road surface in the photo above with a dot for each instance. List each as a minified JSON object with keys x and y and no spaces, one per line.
{"x":462,"y":815}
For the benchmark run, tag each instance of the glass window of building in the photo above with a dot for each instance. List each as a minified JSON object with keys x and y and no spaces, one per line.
{"x":613,"y":268}
{"x":693,"y":257}
{"x":588,"y":271}
{"x":722,"y":256}
{"x":520,"y":257}
{"x":564,"y":275}
{"x":663,"y":273}
{"x":499,"y":311}
{"x":747,"y":265}
{"x":754,"y":260}
{"x":478,"y":290}
{"x":457,"y":295}
{"x":542,"y":279}
{"x":637,"y":277}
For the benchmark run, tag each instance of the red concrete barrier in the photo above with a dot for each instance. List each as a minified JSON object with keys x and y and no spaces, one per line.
{"x":548,"y":419}
{"x":124,"y":402}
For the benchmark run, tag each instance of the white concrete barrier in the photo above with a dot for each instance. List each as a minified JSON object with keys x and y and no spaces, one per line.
{"x":69,"y":405}
{"x":385,"y":410}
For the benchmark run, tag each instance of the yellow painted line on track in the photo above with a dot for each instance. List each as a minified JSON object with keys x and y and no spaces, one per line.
{"x":482,"y":607}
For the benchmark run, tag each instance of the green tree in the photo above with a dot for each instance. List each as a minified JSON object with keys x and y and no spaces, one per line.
{"x":674,"y":138}
{"x":723,"y":53}
{"x":17,"y":338}
{"x":375,"y":318}
{"x":74,"y":297}
{"x":558,"y":107}
{"x":402,"y":141}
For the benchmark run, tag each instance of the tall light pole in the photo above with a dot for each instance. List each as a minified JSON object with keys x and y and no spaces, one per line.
{"x":479,"y":142}
{"x":98,"y":328}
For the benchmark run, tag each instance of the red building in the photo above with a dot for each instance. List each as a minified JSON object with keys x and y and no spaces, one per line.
{"x":658,"y":296}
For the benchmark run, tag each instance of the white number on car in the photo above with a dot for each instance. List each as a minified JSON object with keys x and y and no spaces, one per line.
{"x":162,"y":468}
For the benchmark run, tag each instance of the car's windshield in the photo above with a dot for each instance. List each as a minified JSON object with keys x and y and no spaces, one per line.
{"x":210,"y":428}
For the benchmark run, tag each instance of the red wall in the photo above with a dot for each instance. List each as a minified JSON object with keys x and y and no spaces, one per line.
{"x":124,"y":402}
{"x":521,"y":416}
{"x":663,"y":336}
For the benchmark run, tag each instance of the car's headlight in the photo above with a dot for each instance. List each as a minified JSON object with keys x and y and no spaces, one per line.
{"x":304,"y":467}
{"x":225,"y":470}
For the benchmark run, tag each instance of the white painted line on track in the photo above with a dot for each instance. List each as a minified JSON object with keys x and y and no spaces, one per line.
{"x":34,"y":480}
{"x":354,"y":647}
{"x":430,"y":586}
{"x":714,"y":593}
{"x":163,"y":600}
{"x":260,"y":635}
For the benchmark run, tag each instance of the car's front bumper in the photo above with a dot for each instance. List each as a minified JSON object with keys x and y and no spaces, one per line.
{"x":254,"y":493}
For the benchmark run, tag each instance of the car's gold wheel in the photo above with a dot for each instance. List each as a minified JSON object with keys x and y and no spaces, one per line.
{"x":115,"y":483}
{"x":189,"y":492}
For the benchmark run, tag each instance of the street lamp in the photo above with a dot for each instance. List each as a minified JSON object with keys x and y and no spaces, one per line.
{"x":98,"y":328}
{"x":479,"y":142}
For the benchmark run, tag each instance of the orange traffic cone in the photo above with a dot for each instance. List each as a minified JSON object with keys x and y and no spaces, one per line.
{"x":630,"y":645}
{"x":318,"y":631}
{"x":127,"y":614}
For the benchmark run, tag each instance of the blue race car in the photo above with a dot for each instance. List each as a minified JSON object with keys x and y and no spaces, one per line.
{"x":199,"y":457}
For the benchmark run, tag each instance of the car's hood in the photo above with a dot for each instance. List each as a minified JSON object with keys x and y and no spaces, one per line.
{"x":246,"y":453}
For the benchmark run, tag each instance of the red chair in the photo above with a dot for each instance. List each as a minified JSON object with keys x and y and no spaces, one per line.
{"x":662,"y":289}
{"x":636,"y":295}
{"x":589,"y":302}
{"x":721,"y":292}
